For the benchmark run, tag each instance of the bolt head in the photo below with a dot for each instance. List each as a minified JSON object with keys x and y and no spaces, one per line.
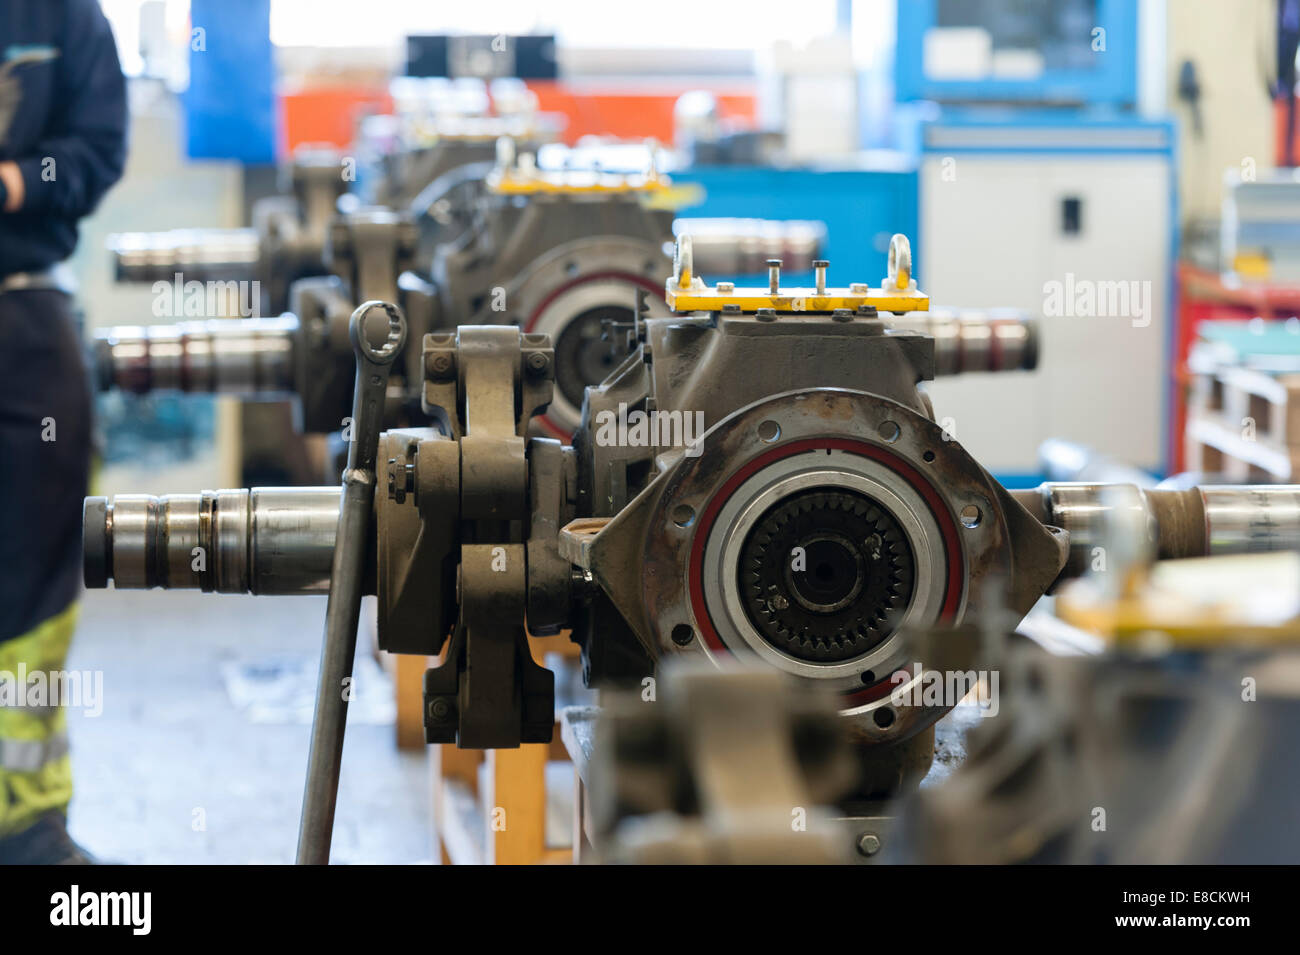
{"x":868,"y":844}
{"x":537,"y":363}
{"x":439,"y":365}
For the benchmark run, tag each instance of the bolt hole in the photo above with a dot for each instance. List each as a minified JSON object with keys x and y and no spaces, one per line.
{"x":971,"y":517}
{"x":884,"y":717}
{"x":683,"y":634}
{"x":769,"y":431}
{"x":889,"y":430}
{"x":928,"y":457}
{"x":868,"y":677}
{"x":683,"y":515}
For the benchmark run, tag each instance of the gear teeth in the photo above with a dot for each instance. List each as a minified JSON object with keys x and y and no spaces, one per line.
{"x":836,"y":636}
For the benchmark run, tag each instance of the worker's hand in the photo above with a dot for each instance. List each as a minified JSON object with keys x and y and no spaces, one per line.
{"x":12,"y":180}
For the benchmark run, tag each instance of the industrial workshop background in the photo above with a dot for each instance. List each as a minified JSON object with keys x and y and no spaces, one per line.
{"x":847,"y":431}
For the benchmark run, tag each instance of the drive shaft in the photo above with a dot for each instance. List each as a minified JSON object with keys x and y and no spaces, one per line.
{"x":269,"y":540}
{"x":249,"y":357}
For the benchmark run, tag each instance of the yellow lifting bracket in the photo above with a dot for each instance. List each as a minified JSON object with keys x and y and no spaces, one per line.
{"x":687,"y":292}
{"x":518,"y":175}
{"x":529,"y":181}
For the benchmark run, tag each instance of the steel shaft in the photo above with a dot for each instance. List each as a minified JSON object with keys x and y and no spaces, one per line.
{"x":269,"y":540}
{"x":249,"y":357}
{"x":198,"y":254}
{"x":967,"y":340}
{"x":1195,"y":522}
{"x":281,"y":540}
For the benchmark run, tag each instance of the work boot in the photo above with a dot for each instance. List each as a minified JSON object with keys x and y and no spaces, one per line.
{"x":44,"y":842}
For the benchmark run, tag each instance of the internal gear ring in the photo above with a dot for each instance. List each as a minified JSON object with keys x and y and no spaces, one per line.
{"x":826,"y":574}
{"x":727,"y":527}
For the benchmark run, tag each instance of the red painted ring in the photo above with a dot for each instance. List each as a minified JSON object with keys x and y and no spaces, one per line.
{"x":947,"y":527}
{"x":645,"y":284}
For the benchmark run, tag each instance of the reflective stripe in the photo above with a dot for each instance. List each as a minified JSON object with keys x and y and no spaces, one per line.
{"x":28,"y":756}
{"x":38,"y":708}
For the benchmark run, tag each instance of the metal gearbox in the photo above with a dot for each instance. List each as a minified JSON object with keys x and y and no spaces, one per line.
{"x":761,"y":480}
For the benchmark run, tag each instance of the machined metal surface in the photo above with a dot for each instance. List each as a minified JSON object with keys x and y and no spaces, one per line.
{"x":1248,"y":519}
{"x":731,"y":739}
{"x":304,"y":354}
{"x":723,"y":246}
{"x":202,"y":254}
{"x":600,"y":278}
{"x":816,"y":470}
{"x":488,"y":691}
{"x":273,"y":540}
{"x":251,"y":357}
{"x":286,"y":241}
{"x":1120,"y":760}
{"x":1170,"y":523}
{"x":970,"y":340}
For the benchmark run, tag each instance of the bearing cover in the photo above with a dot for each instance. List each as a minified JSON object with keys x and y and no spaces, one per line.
{"x":586,"y":350}
{"x":584,"y":282}
{"x":826,"y":574}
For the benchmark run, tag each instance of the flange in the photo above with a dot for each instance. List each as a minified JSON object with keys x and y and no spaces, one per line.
{"x":931,"y":500}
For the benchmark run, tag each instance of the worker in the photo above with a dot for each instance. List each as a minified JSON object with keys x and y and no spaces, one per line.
{"x":62,"y":145}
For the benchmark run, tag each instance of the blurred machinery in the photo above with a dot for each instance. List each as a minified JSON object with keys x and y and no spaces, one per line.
{"x":1173,"y":746}
{"x":760,"y":480}
{"x":732,"y":766}
{"x":405,"y":171}
{"x":286,"y":241}
{"x":402,"y":162}
{"x":302,"y":354}
{"x":561,"y":250}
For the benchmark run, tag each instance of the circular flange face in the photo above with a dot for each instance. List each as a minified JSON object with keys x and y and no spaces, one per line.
{"x":575,"y":320}
{"x":784,"y":483}
{"x":570,"y":294}
{"x":893,"y":475}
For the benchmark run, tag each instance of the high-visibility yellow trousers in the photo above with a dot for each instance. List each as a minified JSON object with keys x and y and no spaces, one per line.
{"x":35,"y":769}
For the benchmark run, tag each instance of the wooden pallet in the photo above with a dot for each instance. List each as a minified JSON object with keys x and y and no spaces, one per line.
{"x":491,"y":814}
{"x":1242,"y":422}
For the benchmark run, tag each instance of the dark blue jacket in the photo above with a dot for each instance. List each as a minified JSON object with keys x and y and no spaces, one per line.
{"x":62,"y":119}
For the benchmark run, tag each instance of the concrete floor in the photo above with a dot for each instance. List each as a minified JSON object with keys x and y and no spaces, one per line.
{"x":172,"y":771}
